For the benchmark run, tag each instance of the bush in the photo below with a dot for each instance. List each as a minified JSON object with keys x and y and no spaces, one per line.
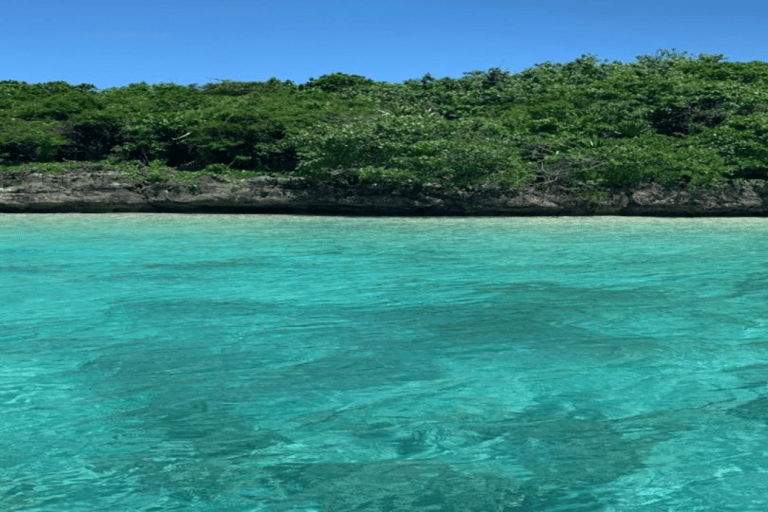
{"x":336,"y":82}
{"x":92,"y":135}
{"x":743,"y":143}
{"x":428,"y":147}
{"x":656,"y":158}
{"x":29,"y":141}
{"x":60,"y":106}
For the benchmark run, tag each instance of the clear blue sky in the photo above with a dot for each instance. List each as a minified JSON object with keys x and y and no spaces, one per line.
{"x":112,"y":43}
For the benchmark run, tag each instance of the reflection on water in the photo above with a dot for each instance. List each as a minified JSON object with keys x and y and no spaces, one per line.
{"x":271,"y":363}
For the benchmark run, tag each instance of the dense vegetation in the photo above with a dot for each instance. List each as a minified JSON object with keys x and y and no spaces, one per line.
{"x":670,"y":117}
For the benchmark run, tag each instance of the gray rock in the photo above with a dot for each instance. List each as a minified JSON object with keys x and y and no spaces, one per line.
{"x":104,"y":191}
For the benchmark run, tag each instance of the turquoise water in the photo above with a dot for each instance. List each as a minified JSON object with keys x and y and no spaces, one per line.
{"x":278,"y":363}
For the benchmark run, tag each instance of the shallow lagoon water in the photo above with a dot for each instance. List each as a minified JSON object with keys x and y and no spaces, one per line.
{"x":286,"y":363}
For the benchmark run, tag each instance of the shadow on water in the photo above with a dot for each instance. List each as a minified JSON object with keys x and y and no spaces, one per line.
{"x":393,"y":486}
{"x":203,"y":454}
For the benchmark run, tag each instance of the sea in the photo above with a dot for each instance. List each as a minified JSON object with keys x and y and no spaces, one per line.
{"x":162,"y":362}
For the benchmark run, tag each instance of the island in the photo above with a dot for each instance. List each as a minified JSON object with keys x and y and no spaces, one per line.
{"x":671,"y":134}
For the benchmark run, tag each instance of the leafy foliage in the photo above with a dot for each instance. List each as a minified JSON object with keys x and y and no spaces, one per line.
{"x":666,"y":117}
{"x":426,"y":148}
{"x":336,"y":82}
{"x":28,"y":141}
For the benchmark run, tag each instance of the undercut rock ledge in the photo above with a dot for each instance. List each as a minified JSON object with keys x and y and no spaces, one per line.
{"x":101,"y":192}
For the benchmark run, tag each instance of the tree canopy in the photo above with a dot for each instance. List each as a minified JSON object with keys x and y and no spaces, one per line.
{"x":667,"y":117}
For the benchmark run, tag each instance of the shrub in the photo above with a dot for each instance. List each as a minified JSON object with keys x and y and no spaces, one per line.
{"x":91,"y":135}
{"x":656,"y":158}
{"x":336,"y":82}
{"x":429,"y":147}
{"x":743,"y":143}
{"x":29,"y":141}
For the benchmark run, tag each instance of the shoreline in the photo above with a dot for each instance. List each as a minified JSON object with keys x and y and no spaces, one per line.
{"x":109,"y":192}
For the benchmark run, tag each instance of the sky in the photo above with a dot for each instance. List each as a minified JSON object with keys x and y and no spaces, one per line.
{"x":112,"y":43}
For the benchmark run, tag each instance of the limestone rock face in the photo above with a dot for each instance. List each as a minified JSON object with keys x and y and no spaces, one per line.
{"x":28,"y":192}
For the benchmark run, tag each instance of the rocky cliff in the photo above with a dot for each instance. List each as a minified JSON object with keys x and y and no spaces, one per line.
{"x":28,"y":191}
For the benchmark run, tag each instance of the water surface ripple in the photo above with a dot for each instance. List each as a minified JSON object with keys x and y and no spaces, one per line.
{"x":278,"y":363}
